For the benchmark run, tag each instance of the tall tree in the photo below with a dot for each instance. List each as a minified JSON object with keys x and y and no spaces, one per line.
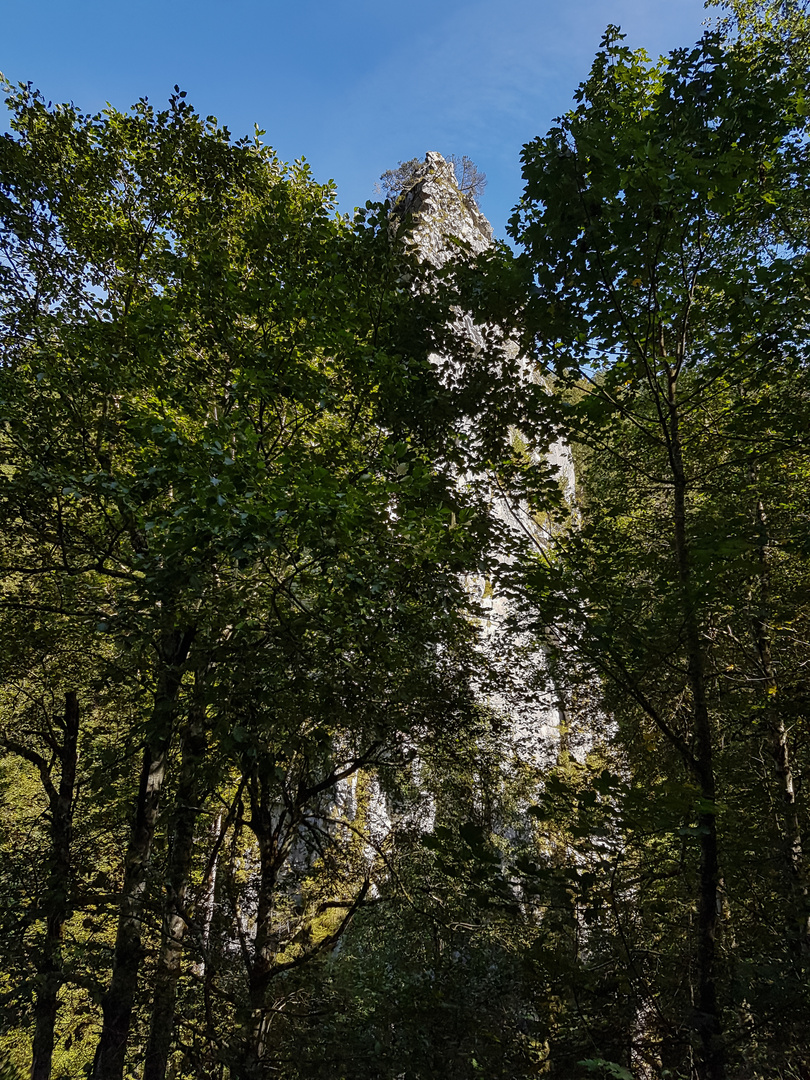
{"x":230,"y":452}
{"x":663,"y":227}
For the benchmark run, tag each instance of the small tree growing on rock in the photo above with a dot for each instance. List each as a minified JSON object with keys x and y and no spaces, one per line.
{"x":471,"y":181}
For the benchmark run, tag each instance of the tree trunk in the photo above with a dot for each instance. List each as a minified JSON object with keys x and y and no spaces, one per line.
{"x":188,"y":804}
{"x":273,"y":828}
{"x":254,"y":1026}
{"x":57,"y":894}
{"x":207,"y":889}
{"x":118,"y":1002}
{"x":791,"y":825}
{"x":711,"y":1064}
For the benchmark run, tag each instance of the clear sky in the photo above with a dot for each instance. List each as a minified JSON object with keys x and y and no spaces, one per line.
{"x":352,"y":85}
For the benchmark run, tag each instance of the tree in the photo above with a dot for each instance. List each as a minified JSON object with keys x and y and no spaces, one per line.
{"x":229,"y":456}
{"x":471,"y":181}
{"x":663,"y":224}
{"x":757,"y":21}
{"x":429,"y":979}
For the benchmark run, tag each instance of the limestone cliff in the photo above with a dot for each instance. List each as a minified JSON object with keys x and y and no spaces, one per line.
{"x":443,"y":222}
{"x":441,"y":212}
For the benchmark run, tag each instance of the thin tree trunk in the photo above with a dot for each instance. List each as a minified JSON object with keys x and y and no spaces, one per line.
{"x":275,"y":824}
{"x":711,"y":1065}
{"x":274,"y":827}
{"x":57,"y":893}
{"x":207,"y":968}
{"x":207,"y":888}
{"x":188,"y":804}
{"x":780,"y":748}
{"x":118,"y":1002}
{"x":272,"y":853}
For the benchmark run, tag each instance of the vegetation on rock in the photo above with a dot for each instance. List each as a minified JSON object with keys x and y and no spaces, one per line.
{"x":471,"y":181}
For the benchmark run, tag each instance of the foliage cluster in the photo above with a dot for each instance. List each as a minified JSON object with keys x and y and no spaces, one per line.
{"x":231,"y":554}
{"x":262,"y":809}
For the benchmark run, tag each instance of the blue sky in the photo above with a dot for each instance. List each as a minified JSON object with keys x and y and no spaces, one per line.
{"x":354,"y":85}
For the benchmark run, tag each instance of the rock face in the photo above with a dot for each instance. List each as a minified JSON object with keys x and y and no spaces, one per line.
{"x":442,"y":220}
{"x":441,"y":211}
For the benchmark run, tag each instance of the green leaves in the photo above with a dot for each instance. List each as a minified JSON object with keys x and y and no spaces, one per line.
{"x":664,"y":228}
{"x":632,"y":201}
{"x":606,"y":1068}
{"x":230,"y":459}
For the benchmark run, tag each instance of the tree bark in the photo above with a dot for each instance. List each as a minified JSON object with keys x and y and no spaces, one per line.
{"x":57,"y":893}
{"x":188,"y":804}
{"x":711,"y":1063}
{"x":118,"y":1002}
{"x":275,"y":822}
{"x":207,"y":889}
{"x":271,"y":839}
{"x":780,"y":748}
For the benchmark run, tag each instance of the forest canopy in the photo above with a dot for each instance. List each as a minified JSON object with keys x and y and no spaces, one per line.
{"x":342,"y":736}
